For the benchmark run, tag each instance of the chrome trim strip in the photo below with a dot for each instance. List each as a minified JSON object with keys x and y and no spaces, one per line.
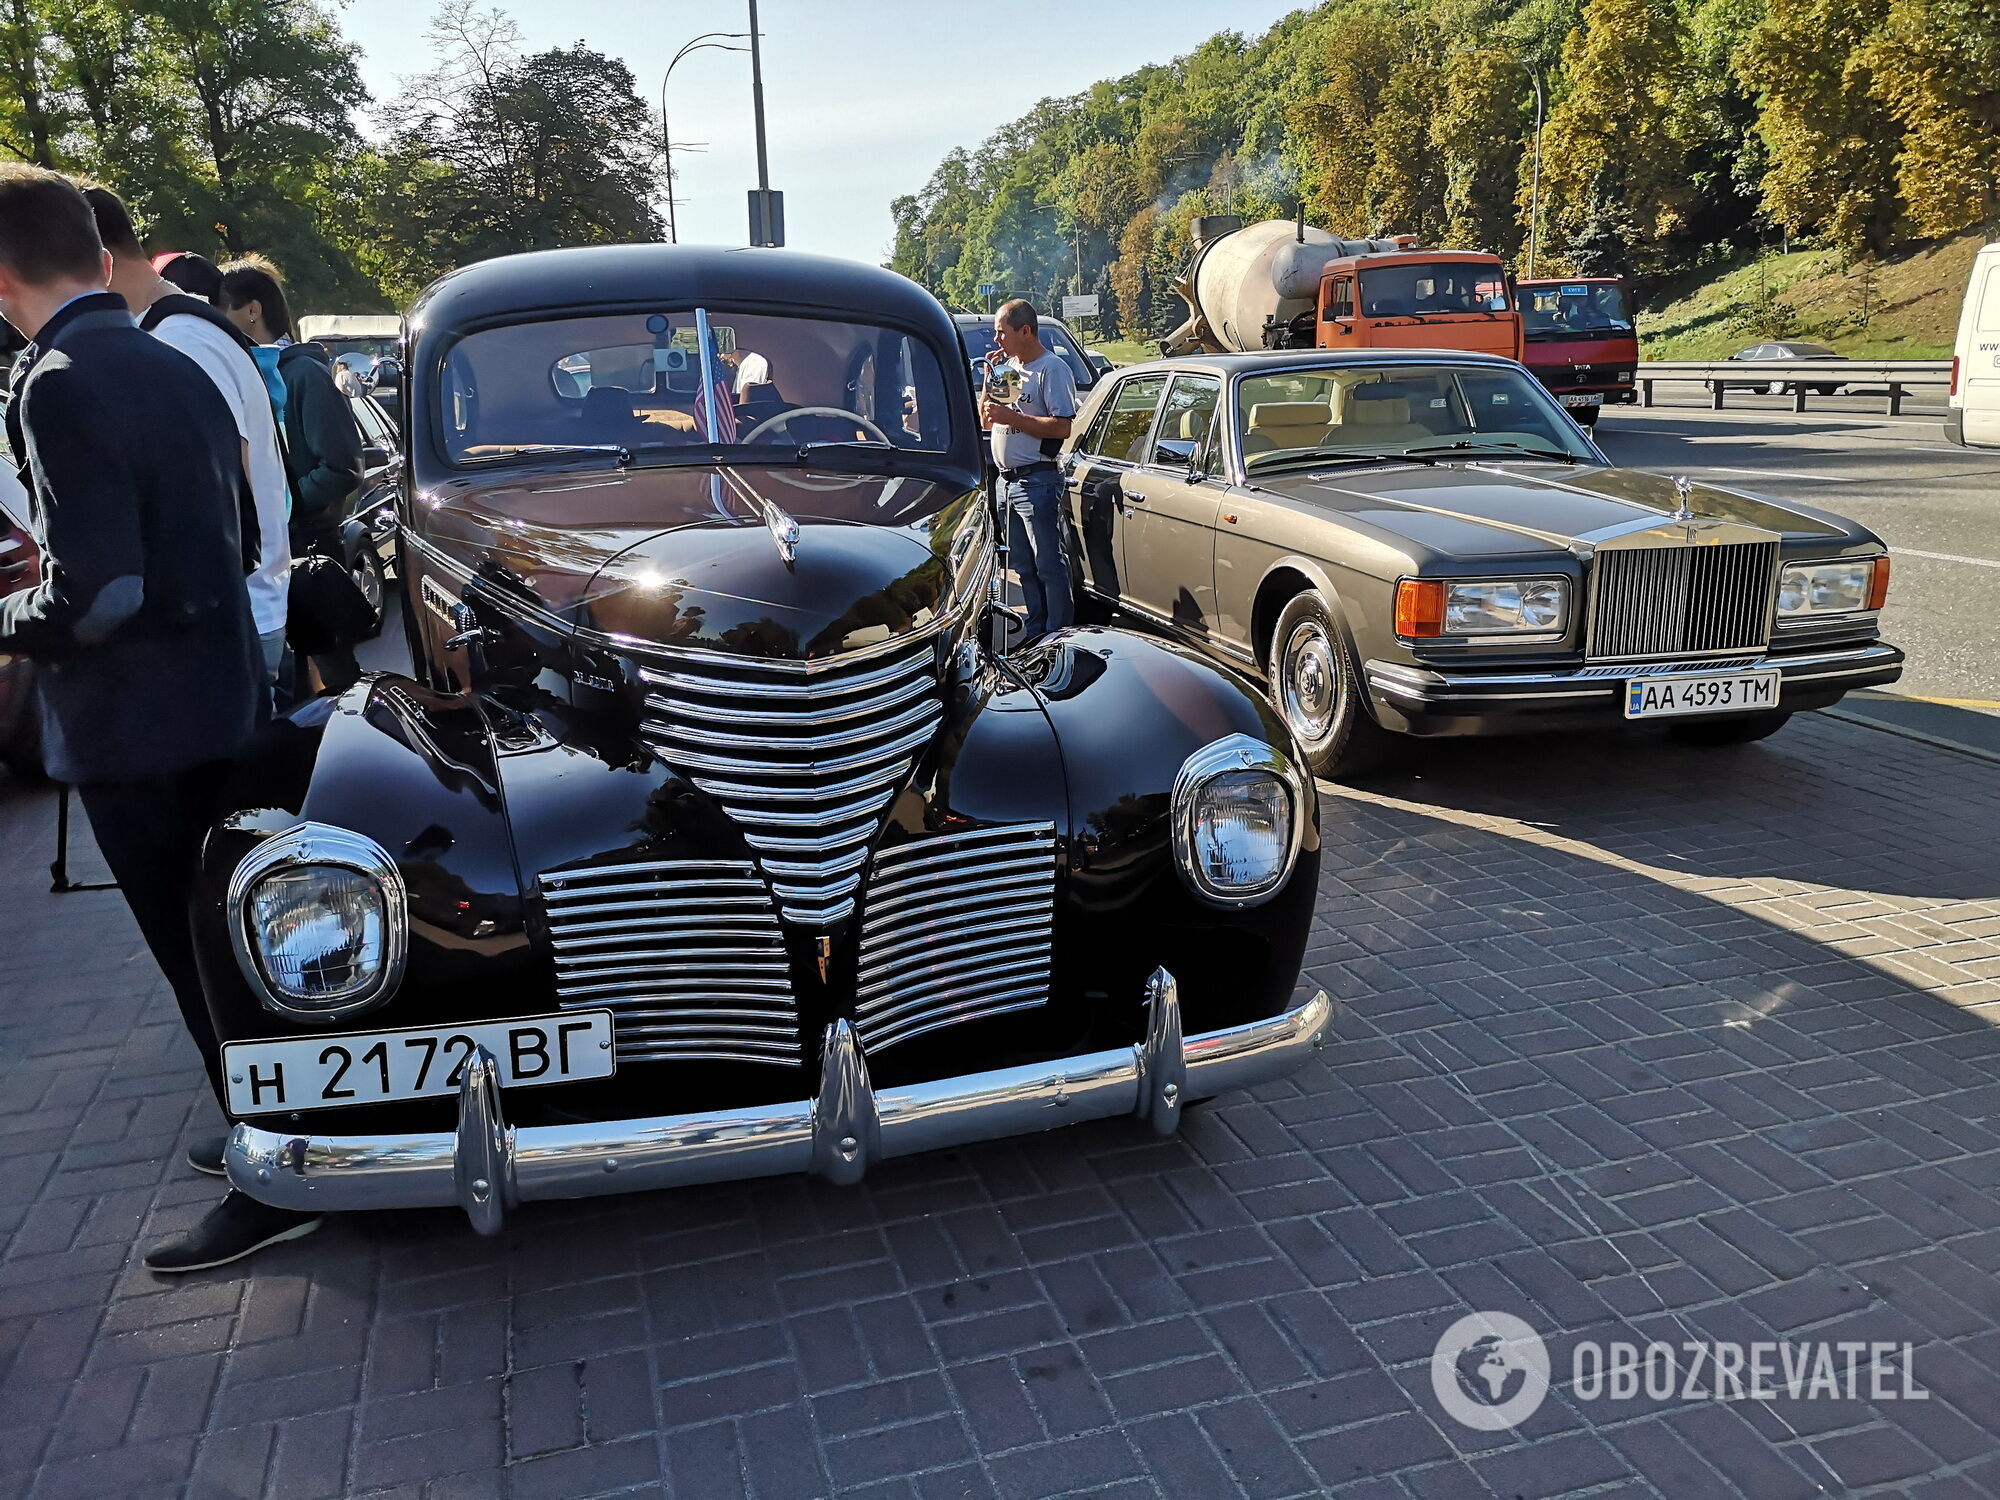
{"x":751,"y":792}
{"x":517,"y":1164}
{"x":900,"y":748}
{"x":958,"y":1015}
{"x":916,"y":713}
{"x":914,"y":686}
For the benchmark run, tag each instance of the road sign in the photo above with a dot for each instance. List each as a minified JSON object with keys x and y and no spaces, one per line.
{"x":1080,"y":307}
{"x":987,"y":288}
{"x":767,"y":217}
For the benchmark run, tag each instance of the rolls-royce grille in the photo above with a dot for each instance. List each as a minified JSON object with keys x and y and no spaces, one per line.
{"x":956,"y":929}
{"x":687,"y":954}
{"x":1673,"y":601}
{"x":804,"y":759}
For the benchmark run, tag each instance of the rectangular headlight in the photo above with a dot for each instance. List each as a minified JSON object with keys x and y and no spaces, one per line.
{"x":1495,"y":606}
{"x":1838,"y":588}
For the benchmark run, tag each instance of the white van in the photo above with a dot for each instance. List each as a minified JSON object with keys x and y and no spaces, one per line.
{"x":1974,"y":415}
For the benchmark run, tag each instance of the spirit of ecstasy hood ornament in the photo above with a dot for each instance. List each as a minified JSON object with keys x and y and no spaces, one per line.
{"x":1684,"y":492}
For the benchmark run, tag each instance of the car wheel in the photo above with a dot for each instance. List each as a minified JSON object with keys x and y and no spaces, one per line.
{"x":1316,"y":692}
{"x":1722,"y":732}
{"x":367,"y":571}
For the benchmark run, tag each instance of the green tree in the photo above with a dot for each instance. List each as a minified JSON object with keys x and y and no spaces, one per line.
{"x":1935,"y":67}
{"x":1832,"y":144}
{"x":1616,"y":139}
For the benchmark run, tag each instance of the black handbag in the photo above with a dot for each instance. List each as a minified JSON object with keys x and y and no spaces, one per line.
{"x":326,"y":608}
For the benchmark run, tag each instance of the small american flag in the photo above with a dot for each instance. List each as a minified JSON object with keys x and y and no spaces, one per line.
{"x":714,"y":406}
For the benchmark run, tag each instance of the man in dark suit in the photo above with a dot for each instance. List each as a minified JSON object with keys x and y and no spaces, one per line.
{"x":150,"y":662}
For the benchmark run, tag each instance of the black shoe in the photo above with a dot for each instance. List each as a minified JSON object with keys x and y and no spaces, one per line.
{"x":205,"y":1155}
{"x":235,"y":1227}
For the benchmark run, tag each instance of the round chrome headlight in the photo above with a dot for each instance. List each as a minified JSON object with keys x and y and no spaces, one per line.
{"x":1239,"y":813}
{"x":320,"y":922}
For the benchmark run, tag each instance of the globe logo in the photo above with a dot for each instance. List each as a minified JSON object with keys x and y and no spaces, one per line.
{"x":1490,"y":1371}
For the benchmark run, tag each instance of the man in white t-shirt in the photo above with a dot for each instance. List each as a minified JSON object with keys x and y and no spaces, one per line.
{"x":222,"y":354}
{"x":1027,"y":434}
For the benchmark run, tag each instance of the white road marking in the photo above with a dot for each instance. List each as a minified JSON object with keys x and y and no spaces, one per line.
{"x":1977,"y":562}
{"x":1779,"y":474}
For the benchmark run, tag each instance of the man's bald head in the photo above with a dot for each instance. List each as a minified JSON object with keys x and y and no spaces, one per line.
{"x":1019,"y":312}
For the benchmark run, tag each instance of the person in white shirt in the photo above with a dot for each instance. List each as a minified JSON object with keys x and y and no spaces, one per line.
{"x":223,"y":355}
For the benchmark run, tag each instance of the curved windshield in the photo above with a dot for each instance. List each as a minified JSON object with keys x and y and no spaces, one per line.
{"x":1055,"y":338}
{"x":1435,"y":411}
{"x":644,"y":384}
{"x":1574,"y":309}
{"x":1432,"y":287}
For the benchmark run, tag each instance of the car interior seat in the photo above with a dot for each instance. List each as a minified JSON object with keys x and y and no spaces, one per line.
{"x":1275,"y":425}
{"x":1379,"y":412}
{"x":608,"y":417}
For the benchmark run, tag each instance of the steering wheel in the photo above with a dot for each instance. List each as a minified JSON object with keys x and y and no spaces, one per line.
{"x":814,"y":411}
{"x":841,"y":482}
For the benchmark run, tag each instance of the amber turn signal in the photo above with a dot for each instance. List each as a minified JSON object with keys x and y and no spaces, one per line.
{"x":1878,"y":585}
{"x":1419,"y":608}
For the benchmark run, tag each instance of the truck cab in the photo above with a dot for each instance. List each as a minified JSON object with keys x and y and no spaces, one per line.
{"x":1580,"y":340}
{"x":1417,"y":299}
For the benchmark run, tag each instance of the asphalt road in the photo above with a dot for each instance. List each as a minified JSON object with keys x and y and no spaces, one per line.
{"x":1937,"y":505}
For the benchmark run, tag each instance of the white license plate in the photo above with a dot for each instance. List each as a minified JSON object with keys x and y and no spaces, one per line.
{"x":374,"y":1067}
{"x":1592,"y":398}
{"x":1709,"y":693}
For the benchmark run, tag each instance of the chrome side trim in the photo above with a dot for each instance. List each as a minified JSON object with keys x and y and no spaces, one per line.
{"x":338,"y":1174}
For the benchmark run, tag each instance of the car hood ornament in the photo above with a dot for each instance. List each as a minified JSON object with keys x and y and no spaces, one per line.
{"x":1684,"y":493}
{"x":777,"y":520}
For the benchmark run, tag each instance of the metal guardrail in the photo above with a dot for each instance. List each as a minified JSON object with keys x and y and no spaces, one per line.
{"x":1799,"y":375}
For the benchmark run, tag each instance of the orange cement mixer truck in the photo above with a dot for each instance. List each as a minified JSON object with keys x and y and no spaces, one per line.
{"x":1283,"y":284}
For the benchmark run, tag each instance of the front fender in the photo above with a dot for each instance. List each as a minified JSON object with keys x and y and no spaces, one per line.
{"x":1128,"y":710}
{"x":416,"y":771}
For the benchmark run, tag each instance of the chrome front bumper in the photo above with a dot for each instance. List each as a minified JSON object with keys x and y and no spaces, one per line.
{"x":487,"y":1166}
{"x":1437,"y":690}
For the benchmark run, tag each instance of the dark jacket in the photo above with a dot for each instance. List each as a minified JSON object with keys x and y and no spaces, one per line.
{"x":142,"y":626}
{"x":322,"y":445}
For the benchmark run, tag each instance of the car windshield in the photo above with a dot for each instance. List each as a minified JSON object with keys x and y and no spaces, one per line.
{"x":1431,"y":287}
{"x":1492,"y":411}
{"x":645,"y":384}
{"x":978,"y":339}
{"x":1574,"y":309}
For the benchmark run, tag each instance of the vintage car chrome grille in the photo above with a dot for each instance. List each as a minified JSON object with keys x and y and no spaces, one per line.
{"x":687,"y":955}
{"x":805,"y":759}
{"x":956,"y":928}
{"x":1676,"y":601}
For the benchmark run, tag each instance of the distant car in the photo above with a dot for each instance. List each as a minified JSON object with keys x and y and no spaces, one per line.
{"x":20,"y":568}
{"x":1098,"y":362}
{"x":1784,"y":349}
{"x":367,"y":536}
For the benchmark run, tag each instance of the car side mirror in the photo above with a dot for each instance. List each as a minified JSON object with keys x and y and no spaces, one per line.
{"x":1175,"y":452}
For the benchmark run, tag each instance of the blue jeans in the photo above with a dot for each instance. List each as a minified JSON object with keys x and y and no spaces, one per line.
{"x":1035,"y":542}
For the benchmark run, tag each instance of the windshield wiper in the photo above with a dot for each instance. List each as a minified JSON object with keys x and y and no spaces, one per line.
{"x":543,"y":450}
{"x":1467,"y":446}
{"x":1342,"y":458}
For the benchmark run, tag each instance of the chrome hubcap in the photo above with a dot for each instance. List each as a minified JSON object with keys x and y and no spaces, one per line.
{"x":1311,"y":681}
{"x":369,"y":581}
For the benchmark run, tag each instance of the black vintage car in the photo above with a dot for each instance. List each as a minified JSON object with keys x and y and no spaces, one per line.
{"x":1421,"y":542}
{"x":709,"y":838}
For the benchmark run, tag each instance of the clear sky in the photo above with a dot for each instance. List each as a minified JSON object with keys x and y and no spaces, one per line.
{"x":862,"y":97}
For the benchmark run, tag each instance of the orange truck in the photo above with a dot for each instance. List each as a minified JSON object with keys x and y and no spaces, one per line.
{"x":1282,"y":284}
{"x":1581,"y":342}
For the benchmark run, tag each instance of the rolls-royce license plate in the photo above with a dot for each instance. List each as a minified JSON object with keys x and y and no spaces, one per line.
{"x":374,"y":1067}
{"x":1704,"y":693}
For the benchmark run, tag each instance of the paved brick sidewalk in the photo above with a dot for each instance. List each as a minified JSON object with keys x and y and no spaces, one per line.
{"x":1638,"y":1043}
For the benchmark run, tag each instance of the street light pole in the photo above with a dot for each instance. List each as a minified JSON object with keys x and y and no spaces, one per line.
{"x":702,"y":43}
{"x":767,"y":209}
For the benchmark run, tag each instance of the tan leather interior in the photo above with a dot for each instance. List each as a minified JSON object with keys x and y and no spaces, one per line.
{"x":1287,"y":424}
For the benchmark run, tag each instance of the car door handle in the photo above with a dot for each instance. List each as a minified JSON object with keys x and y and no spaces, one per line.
{"x":1132,"y":495}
